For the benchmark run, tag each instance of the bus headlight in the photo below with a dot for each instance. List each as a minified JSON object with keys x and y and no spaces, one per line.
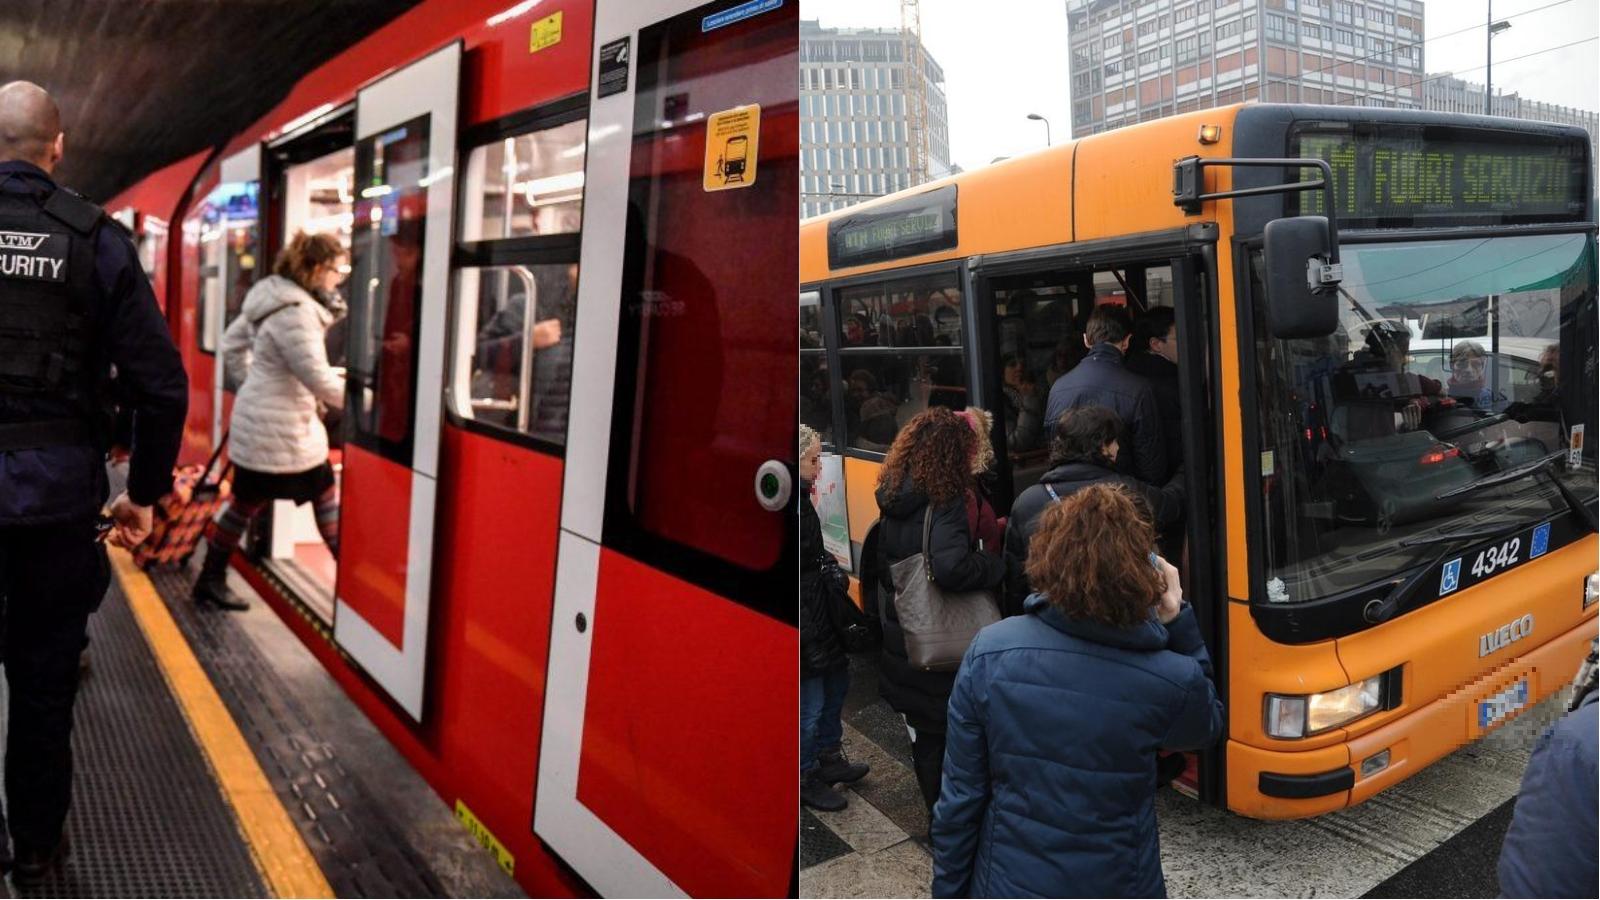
{"x":1591,"y":590}
{"x":1298,"y":715}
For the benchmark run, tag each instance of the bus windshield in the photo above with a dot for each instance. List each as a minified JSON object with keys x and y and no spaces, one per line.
{"x":1454,"y":360}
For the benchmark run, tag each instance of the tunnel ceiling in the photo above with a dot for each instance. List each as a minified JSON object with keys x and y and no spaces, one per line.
{"x":143,"y":83}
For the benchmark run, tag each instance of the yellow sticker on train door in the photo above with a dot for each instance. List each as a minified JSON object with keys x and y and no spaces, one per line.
{"x":733,"y":137}
{"x":544,"y":33}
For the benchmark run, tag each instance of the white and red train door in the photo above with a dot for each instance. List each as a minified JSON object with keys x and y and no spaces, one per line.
{"x":400,"y":256}
{"x":669,"y":745}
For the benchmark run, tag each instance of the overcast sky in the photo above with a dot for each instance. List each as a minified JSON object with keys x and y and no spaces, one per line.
{"x":1003,"y":59}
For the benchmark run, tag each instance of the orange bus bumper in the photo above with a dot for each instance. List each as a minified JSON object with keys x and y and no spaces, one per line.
{"x":1414,"y":741}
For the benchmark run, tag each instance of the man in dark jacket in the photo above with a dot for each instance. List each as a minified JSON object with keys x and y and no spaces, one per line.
{"x":1082,"y":452}
{"x":1102,"y":380}
{"x":71,"y":292}
{"x":957,"y":565}
{"x":1154,"y":357}
{"x":1549,"y":849}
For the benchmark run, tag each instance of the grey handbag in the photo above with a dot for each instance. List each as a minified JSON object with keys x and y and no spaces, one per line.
{"x":938,"y":624}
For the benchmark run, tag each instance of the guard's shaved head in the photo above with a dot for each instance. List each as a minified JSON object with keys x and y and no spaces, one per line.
{"x":30,"y":124}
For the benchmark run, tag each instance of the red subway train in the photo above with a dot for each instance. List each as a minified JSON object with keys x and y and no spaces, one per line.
{"x":566,"y":589}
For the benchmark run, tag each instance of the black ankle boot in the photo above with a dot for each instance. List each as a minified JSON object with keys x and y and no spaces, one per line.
{"x":212,"y":585}
{"x":833,"y":768}
{"x":34,"y":865}
{"x":818,"y":794}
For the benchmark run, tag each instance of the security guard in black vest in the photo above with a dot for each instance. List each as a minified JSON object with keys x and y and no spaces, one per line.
{"x":74,"y":302}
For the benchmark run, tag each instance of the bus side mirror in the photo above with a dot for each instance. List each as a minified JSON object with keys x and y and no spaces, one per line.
{"x":1302,"y":283}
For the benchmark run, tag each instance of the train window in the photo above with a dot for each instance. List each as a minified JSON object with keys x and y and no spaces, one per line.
{"x":514,"y":368}
{"x":389,"y":223}
{"x":816,"y":380}
{"x":517,"y":278}
{"x":527,"y":184}
{"x":899,"y":353}
{"x":229,"y":244}
{"x":706,"y":277}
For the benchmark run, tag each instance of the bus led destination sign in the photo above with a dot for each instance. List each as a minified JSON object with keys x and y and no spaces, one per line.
{"x":1413,"y":176}
{"x":910,"y":226}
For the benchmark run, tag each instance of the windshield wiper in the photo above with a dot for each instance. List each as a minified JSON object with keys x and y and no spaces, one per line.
{"x":1377,"y":611}
{"x":1544,"y":465}
{"x":1453,"y":536}
{"x":1514,"y":474}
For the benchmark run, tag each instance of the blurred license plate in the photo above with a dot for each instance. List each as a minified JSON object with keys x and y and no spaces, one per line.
{"x":1495,"y":709}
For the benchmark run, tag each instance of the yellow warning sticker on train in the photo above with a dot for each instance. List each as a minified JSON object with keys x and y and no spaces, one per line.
{"x":733,"y":137}
{"x":483,"y":836}
{"x":544,"y":33}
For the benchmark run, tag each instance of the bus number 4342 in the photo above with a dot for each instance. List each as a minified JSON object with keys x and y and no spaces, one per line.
{"x":1492,"y":558}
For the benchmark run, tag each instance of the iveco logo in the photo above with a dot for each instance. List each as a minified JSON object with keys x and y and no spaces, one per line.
{"x":21,"y":240}
{"x":1505,"y":634}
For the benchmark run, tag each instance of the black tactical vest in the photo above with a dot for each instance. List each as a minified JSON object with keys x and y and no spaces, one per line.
{"x":48,"y":390}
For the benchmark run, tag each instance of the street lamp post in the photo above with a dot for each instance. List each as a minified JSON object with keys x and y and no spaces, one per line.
{"x":1038,"y":118}
{"x":1494,"y":28}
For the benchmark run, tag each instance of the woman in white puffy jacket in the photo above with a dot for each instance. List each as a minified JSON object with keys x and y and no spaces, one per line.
{"x":277,"y":441}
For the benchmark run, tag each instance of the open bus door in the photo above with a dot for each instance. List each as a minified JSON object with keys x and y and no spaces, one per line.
{"x":667,"y":763}
{"x":405,"y":156}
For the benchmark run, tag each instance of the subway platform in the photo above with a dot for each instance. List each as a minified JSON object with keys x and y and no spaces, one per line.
{"x":215,"y":758}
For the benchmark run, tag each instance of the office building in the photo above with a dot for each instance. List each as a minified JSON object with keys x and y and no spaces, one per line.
{"x":855,"y":142}
{"x":1136,"y":60}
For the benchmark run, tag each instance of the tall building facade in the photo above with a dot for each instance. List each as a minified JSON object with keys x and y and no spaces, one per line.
{"x":1136,"y":60}
{"x":854,"y":141}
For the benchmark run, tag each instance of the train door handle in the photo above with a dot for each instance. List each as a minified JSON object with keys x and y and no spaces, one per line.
{"x":773,"y":485}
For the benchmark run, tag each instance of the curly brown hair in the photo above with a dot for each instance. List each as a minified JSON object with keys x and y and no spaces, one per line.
{"x":934,"y":450}
{"x":1091,"y":556}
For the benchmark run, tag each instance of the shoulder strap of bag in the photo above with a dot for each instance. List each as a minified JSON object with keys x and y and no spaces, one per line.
{"x":927,"y":533}
{"x":1051,"y":490}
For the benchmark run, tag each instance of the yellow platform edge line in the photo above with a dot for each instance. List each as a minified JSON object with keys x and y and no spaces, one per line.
{"x":279,"y":852}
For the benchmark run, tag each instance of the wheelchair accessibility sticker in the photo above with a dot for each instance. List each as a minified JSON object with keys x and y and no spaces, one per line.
{"x":1450,"y":578}
{"x":733,"y":139}
{"x":1540,"y":545}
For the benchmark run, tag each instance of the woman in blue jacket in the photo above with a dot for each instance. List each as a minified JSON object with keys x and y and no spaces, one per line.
{"x":1057,"y":716}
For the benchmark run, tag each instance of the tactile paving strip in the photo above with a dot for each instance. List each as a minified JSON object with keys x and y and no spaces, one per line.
{"x":360,"y":849}
{"x":148,"y":818}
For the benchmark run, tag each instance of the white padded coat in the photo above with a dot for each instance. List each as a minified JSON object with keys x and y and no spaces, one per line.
{"x":281,"y":357}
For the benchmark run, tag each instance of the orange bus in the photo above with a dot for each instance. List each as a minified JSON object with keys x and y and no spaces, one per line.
{"x":1386,"y":332}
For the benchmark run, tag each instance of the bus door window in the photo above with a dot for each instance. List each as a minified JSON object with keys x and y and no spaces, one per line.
{"x":1037,"y":318}
{"x":900,"y":352}
{"x":816,"y":378}
{"x":517,"y":281}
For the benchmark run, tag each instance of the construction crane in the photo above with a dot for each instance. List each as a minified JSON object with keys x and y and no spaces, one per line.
{"x":916,"y":89}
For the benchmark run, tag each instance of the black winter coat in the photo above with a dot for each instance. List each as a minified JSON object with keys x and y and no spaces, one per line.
{"x":820,"y":649}
{"x":1162,"y":374}
{"x":1164,"y":505}
{"x":1102,"y":380}
{"x":919,"y":695}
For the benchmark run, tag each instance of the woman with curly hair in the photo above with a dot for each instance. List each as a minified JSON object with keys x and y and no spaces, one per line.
{"x":929,"y":465}
{"x":1058,"y":714}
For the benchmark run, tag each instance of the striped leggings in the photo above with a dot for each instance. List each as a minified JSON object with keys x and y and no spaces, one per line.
{"x":227,"y":529}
